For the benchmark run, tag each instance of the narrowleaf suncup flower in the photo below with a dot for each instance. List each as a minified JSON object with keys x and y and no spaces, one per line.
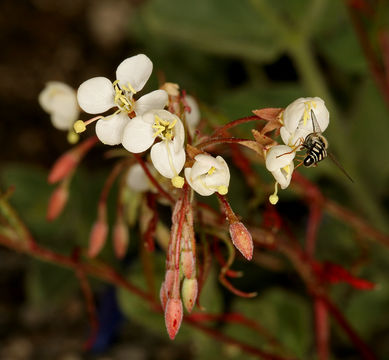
{"x":99,"y":94}
{"x":208,"y":175}
{"x":298,"y":122}
{"x":168,"y":155}
{"x":60,"y":101}
{"x":279,"y":161}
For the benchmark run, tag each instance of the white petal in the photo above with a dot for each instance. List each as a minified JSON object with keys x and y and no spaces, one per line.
{"x":192,"y":118}
{"x":283,"y":177}
{"x":61,"y":122}
{"x":196,"y":183}
{"x":157,"y":99}
{"x":96,"y":95}
{"x":51,"y":92}
{"x":110,"y":129}
{"x":164,"y":157}
{"x":278,"y":157}
{"x":135,"y":71}
{"x":138,"y":135}
{"x":137,"y":179}
{"x":285,"y":135}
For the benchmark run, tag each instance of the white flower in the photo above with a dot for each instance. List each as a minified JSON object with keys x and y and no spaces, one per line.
{"x":298,"y":122}
{"x":192,"y":118}
{"x":99,"y":94}
{"x":279,"y":161}
{"x":137,"y":179}
{"x":60,"y":101}
{"x":208,"y":174}
{"x":168,"y":155}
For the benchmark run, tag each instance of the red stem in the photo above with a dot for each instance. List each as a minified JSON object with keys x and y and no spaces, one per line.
{"x":322,"y":328}
{"x":234,"y":123}
{"x":219,"y":140}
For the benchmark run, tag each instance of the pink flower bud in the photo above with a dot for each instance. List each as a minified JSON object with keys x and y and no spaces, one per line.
{"x":187,"y":263}
{"x":242,"y":240}
{"x":63,"y":167}
{"x":120,"y":238}
{"x":173,"y":316}
{"x":57,"y":202}
{"x":97,"y":237}
{"x":189,"y":293}
{"x":163,"y":296}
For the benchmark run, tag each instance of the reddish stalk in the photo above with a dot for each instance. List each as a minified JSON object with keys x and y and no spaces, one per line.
{"x":234,"y":123}
{"x":152,"y":179}
{"x":322,"y":328}
{"x":220,"y":140}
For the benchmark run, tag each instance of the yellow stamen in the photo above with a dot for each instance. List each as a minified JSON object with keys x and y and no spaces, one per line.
{"x":79,"y":126}
{"x":287,"y":169}
{"x":211,"y":170}
{"x":178,"y":181}
{"x":222,"y":190}
{"x":72,"y":137}
{"x":273,"y":199}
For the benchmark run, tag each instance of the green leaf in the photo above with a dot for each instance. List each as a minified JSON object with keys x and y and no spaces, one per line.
{"x":225,"y":27}
{"x":284,"y":315}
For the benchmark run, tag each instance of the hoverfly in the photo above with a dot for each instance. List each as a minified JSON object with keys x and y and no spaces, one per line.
{"x":316,"y":145}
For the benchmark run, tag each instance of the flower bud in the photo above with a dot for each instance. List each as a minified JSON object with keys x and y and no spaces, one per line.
{"x":242,"y":240}
{"x":57,"y":202}
{"x":63,"y":167}
{"x":189,"y":293}
{"x":120,"y":238}
{"x":169,"y":281}
{"x":173,"y":316}
{"x":187,"y":263}
{"x":97,"y":237}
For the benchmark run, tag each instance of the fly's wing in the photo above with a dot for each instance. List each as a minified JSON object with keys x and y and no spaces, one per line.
{"x":315,"y":123}
{"x":332,"y":157}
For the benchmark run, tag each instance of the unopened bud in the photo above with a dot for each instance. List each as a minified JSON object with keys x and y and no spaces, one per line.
{"x":242,"y":240}
{"x":57,"y":202}
{"x":189,"y":293}
{"x":63,"y":167}
{"x":97,"y":237}
{"x":187,"y":263}
{"x":120,"y":238}
{"x":173,"y":316}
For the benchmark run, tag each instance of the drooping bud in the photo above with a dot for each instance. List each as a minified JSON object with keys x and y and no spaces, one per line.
{"x":187,"y":263}
{"x":98,"y":237}
{"x":169,"y":282}
{"x":173,"y":316}
{"x":57,"y":202}
{"x":242,"y":240}
{"x":189,"y":293}
{"x":63,"y":167}
{"x":120,"y":238}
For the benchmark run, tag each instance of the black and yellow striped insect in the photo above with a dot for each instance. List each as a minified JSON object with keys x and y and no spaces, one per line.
{"x":316,"y":145}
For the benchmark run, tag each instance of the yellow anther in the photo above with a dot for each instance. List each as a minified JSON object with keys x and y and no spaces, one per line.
{"x":169,"y":136}
{"x":79,"y":126}
{"x":273,"y":199}
{"x":131,"y":88}
{"x":178,"y":181}
{"x":72,"y":137}
{"x":305,"y":117}
{"x":222,"y":190}
{"x":172,"y":124}
{"x":211,"y":170}
{"x":158,"y":132}
{"x":287,"y":169}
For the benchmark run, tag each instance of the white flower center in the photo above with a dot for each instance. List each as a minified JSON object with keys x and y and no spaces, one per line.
{"x":123,"y":97}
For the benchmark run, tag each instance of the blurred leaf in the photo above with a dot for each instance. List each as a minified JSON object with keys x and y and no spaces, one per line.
{"x":226,"y":27}
{"x":369,"y":131}
{"x":49,"y":283}
{"x":284,"y":315}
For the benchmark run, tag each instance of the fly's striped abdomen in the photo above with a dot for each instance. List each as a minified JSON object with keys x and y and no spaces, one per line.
{"x":316,"y":152}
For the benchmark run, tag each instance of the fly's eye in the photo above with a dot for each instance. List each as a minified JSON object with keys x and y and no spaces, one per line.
{"x":308,"y":161}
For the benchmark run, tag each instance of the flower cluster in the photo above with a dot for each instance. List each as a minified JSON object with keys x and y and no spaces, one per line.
{"x":297,"y":124}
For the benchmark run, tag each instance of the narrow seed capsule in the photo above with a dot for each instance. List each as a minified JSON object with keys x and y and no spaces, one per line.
{"x":242,"y":240}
